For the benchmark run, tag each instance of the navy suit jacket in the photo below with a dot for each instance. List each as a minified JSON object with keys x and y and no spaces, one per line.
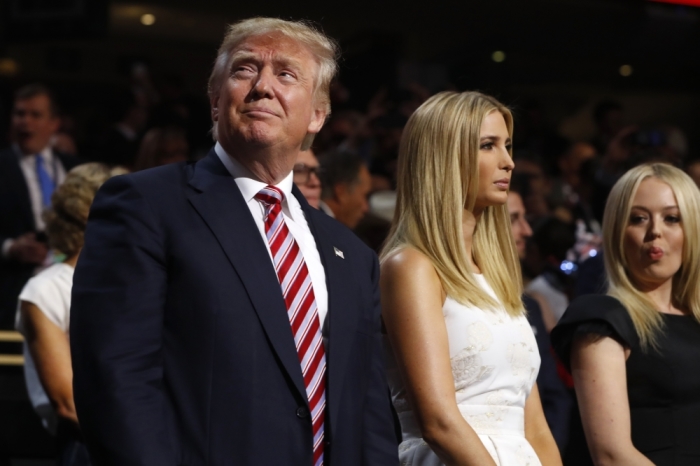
{"x":181,"y":344}
{"x":16,"y":219}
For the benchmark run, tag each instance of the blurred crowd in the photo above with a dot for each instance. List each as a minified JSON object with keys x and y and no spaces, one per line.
{"x":349,"y":173}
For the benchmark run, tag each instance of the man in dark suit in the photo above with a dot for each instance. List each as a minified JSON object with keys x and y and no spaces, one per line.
{"x":29,"y":172}
{"x":186,"y":348}
{"x":556,"y":401}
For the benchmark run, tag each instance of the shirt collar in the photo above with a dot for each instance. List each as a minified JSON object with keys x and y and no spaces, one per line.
{"x":46,"y":152}
{"x":248,"y":185}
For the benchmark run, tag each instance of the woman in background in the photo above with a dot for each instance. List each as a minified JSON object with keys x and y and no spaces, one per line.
{"x":634,"y":353}
{"x":462,"y":358}
{"x":44,"y":305}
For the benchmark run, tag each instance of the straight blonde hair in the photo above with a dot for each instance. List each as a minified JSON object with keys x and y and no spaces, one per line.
{"x":438,"y":176}
{"x":685,"y":286}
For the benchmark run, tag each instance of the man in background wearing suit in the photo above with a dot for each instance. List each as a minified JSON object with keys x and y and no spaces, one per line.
{"x":217,"y":318}
{"x":29,"y":172}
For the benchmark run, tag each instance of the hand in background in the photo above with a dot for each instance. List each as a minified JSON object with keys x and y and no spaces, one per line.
{"x":27,"y":250}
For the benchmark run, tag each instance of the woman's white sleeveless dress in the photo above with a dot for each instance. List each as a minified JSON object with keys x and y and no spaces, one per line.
{"x":495,"y":361}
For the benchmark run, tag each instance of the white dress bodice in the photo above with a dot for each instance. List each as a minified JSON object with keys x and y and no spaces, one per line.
{"x":495,"y":361}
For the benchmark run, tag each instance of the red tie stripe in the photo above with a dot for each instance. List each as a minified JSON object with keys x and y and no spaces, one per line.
{"x":302,"y":310}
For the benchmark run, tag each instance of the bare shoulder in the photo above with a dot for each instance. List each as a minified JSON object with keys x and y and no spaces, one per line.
{"x":409,"y":276}
{"x":409,"y":265}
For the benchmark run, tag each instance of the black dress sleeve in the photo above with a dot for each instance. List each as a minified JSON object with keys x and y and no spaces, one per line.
{"x":593,"y":314}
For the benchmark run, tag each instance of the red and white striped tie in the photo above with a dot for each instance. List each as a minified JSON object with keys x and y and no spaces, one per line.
{"x":302,"y":310}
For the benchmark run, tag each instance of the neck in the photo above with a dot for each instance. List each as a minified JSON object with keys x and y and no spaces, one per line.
{"x":469,"y":221}
{"x":662,"y":297}
{"x":268,"y":165}
{"x":72,"y":260}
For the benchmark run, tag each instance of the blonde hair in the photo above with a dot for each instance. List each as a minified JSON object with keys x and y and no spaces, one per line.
{"x":70,"y":205}
{"x":685,"y":290}
{"x":324,"y":49}
{"x":438,"y":177}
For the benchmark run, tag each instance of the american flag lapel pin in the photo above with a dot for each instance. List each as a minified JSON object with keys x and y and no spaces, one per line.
{"x":338,"y":252}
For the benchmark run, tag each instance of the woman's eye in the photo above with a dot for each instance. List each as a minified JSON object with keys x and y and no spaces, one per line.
{"x":637,"y":219}
{"x":673,"y":219}
{"x":509,"y":147}
{"x":487,"y":146}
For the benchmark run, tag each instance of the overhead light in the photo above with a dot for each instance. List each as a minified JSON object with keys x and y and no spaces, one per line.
{"x":626,"y":70}
{"x":498,"y":56}
{"x":148,"y":19}
{"x":8,"y":67}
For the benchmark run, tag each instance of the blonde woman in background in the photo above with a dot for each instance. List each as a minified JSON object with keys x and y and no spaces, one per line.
{"x":44,"y":307}
{"x":461,"y":357}
{"x":634,"y":353}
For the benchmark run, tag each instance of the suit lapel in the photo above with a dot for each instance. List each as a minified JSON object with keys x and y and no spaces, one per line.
{"x":342,"y":316}
{"x":219,"y":202}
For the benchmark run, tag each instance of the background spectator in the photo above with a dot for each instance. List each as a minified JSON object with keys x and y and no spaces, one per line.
{"x":29,"y":173}
{"x":44,"y":317}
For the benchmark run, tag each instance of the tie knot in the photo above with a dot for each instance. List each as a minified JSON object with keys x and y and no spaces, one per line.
{"x":270,"y":195}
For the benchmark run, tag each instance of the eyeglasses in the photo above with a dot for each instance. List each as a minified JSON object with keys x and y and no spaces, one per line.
{"x":302,"y":173}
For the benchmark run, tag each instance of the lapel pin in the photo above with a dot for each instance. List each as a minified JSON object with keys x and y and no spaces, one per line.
{"x":338,"y":252}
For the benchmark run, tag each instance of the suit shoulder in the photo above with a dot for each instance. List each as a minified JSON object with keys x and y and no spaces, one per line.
{"x":340,"y":232}
{"x":156,"y":179}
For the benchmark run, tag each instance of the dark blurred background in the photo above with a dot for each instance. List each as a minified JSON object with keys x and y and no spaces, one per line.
{"x":595,"y":86}
{"x":559,"y":57}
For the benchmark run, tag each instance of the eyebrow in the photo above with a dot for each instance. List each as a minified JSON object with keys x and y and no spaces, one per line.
{"x":495,"y":138}
{"x":668,"y":207}
{"x":246,"y":56}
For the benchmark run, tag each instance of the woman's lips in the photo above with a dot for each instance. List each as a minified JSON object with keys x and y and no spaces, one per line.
{"x":502,"y":184}
{"x":655,"y":253}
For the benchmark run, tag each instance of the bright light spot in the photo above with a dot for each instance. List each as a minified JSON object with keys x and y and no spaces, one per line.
{"x":498,"y":56}
{"x":625,"y":70}
{"x":8,"y":67}
{"x":148,"y":19}
{"x":592,"y":253}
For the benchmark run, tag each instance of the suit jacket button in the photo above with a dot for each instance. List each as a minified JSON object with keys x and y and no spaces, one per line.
{"x":302,"y":412}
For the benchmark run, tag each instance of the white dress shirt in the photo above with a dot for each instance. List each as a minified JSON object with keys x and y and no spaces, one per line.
{"x":53,"y":167}
{"x":294,"y":218}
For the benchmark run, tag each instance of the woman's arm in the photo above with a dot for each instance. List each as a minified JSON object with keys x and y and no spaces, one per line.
{"x":50,"y":350}
{"x":599,"y":372}
{"x":537,"y":431}
{"x":412,"y":299}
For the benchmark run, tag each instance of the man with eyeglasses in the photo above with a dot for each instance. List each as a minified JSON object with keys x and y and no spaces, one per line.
{"x":307,"y":177}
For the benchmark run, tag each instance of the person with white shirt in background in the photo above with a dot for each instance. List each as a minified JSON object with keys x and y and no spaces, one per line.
{"x":30,"y":170}
{"x":44,"y":312}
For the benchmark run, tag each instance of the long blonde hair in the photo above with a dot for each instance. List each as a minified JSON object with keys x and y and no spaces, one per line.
{"x":685,"y":290}
{"x":438,"y":177}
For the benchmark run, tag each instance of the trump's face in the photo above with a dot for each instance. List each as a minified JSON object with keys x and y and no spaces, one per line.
{"x":267,"y":99}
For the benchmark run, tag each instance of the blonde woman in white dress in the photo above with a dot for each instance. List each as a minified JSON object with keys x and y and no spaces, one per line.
{"x":461,"y":358}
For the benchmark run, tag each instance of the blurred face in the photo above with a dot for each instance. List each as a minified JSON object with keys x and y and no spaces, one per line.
{"x":267,"y":99}
{"x":33,"y":124}
{"x":518,"y":223}
{"x":653,"y":238}
{"x":352,"y":199}
{"x":495,"y":163}
{"x":306,"y":177}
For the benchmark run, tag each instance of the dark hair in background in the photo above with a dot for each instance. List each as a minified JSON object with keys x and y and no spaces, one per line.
{"x":554,"y":238}
{"x":36,"y":89}
{"x":603,"y":108}
{"x":339,"y":167}
{"x":520,"y":184}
